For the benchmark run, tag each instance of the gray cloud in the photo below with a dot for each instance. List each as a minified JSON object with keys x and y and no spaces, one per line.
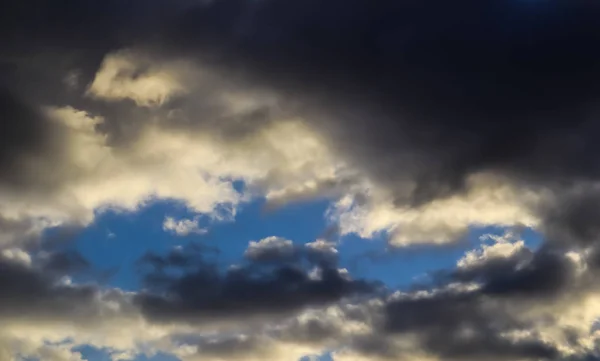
{"x":468,"y":313}
{"x":200,"y":290}
{"x":275,"y":250}
{"x":35,"y":291}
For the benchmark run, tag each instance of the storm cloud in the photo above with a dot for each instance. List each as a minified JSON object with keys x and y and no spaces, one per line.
{"x":417,"y":120}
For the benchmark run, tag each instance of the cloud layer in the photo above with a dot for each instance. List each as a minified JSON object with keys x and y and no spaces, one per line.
{"x":417,"y":121}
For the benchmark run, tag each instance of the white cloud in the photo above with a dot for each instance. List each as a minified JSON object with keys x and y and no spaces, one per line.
{"x":196,"y":168}
{"x":182,"y":227}
{"x":284,"y":161}
{"x":16,"y":255}
{"x":270,"y":246}
{"x":368,"y":211}
{"x":505,"y":246}
{"x":131,"y":75}
{"x":322,"y":245}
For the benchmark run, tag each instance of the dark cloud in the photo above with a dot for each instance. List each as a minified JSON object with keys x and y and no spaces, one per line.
{"x":27,"y":137}
{"x":35,"y":291}
{"x":458,"y":322}
{"x":203,"y":291}
{"x":573,"y":217}
{"x":432,"y":91}
{"x":544,"y":273}
{"x":311,"y":331}
{"x":429,"y":92}
{"x":450,"y":319}
{"x":273,"y":250}
{"x":281,"y":250}
{"x":184,"y":258}
{"x":500,"y":84}
{"x":458,"y":325}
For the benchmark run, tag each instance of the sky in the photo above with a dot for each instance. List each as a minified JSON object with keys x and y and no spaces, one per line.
{"x":299,"y":180}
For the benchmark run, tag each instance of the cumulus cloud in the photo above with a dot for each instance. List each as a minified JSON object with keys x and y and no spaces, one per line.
{"x":537,"y":307}
{"x":275,"y":250}
{"x":182,"y":227}
{"x":533,"y":310}
{"x":270,"y":249}
{"x":503,"y":247}
{"x":324,"y":246}
{"x":17,"y":255}
{"x":44,"y":318}
{"x":244,"y":292}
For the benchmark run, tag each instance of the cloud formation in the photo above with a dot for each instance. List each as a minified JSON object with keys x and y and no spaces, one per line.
{"x":418,"y":121}
{"x":202,"y":291}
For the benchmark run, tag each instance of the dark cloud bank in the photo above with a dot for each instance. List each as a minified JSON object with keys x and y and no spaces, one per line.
{"x":431,"y":91}
{"x":444,"y":90}
{"x":35,"y":291}
{"x":185,"y":286}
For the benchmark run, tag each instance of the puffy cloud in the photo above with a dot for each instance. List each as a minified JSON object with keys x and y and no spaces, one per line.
{"x":247,"y":292}
{"x":539,"y":307}
{"x":505,"y":306}
{"x":276,"y":250}
{"x":44,"y":317}
{"x":126,"y":75}
{"x":270,"y":249}
{"x":487,"y":200}
{"x":324,"y":246}
{"x":182,"y":227}
{"x":505,"y":246}
{"x":17,"y":255}
{"x":195,"y":168}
